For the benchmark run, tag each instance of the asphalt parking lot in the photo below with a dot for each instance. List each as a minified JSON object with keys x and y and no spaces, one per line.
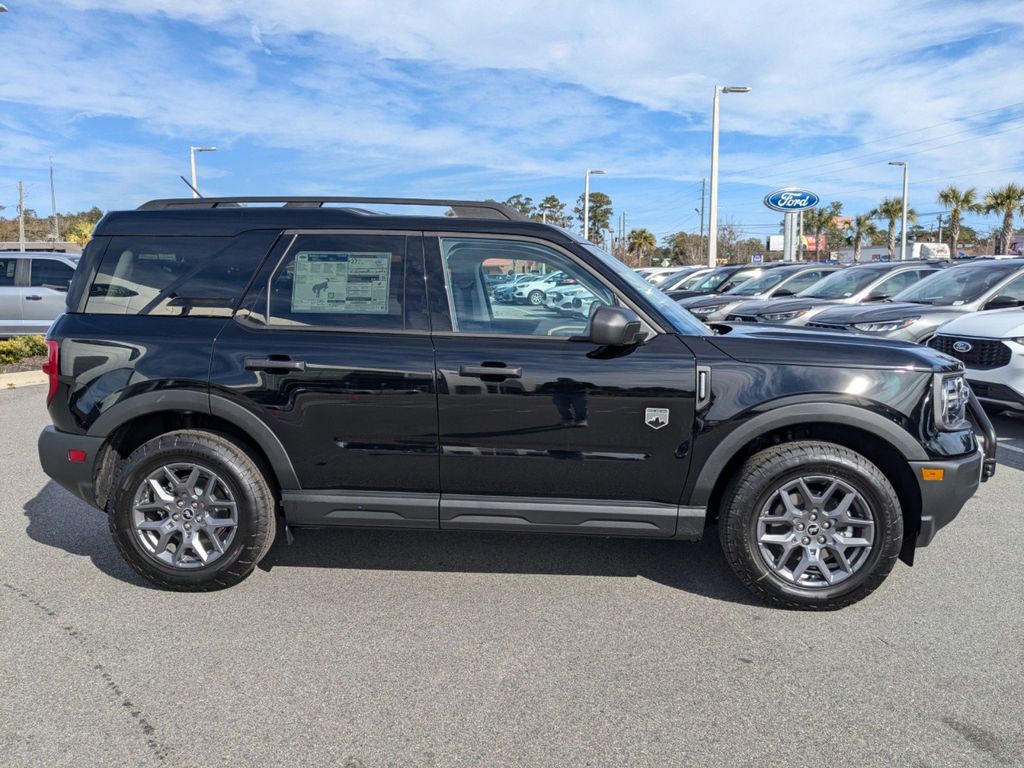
{"x":367,"y":648}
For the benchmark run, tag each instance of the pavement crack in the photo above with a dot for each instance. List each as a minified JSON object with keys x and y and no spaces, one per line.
{"x":114,"y":690}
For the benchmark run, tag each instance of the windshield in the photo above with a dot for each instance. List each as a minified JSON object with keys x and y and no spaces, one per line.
{"x":760,"y":284}
{"x":842,"y":284}
{"x":681,"y":320}
{"x":956,"y":286}
{"x":690,"y":281}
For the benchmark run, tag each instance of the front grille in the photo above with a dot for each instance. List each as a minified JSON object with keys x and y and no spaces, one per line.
{"x":742,"y":318}
{"x":989,"y":391}
{"x":827,"y":326}
{"x":984,"y":354}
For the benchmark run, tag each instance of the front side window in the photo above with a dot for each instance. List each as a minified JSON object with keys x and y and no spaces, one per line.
{"x":49,"y":273}
{"x":7,"y":269}
{"x":337,"y":282}
{"x":555,"y":296}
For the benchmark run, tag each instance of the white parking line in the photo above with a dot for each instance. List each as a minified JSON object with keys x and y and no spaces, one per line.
{"x":1011,"y":448}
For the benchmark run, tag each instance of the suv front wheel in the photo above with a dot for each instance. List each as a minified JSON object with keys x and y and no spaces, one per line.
{"x":811,"y":525}
{"x":191,"y":511}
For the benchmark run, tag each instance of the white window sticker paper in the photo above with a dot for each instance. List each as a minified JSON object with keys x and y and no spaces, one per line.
{"x":341,"y":281}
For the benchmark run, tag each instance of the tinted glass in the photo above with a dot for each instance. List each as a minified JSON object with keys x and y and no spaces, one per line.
{"x":556,"y":302}
{"x":842,"y":284}
{"x":51,"y":274}
{"x":958,"y":285}
{"x":900,"y":281}
{"x":345,"y":282}
{"x":1014,"y":289}
{"x":805,"y":280}
{"x":194,"y":276}
{"x":759,"y":284}
{"x":7,"y":267}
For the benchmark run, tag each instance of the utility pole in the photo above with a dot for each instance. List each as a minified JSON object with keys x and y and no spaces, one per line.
{"x":53,"y":205}
{"x":702,"y":181}
{"x":21,"y":217}
{"x":940,"y":228}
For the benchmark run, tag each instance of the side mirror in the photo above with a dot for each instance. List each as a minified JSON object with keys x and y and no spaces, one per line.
{"x":1002,"y":302}
{"x":783,"y":292}
{"x":876,"y":296}
{"x":615,"y":327}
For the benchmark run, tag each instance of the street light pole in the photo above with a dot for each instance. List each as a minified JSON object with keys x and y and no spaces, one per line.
{"x":713,"y":201}
{"x":192,"y":157}
{"x":586,"y":202}
{"x":903,"y":216}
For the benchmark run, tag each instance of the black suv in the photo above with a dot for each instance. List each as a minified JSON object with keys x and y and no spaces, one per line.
{"x":228,"y":365}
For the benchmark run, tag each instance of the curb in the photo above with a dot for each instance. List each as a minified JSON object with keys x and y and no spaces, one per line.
{"x":22,"y":379}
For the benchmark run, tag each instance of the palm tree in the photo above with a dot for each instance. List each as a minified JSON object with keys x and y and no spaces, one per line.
{"x":1006,"y":200}
{"x":820,"y":219}
{"x":958,"y":202}
{"x":863,"y":230}
{"x":641,"y":241}
{"x":891,"y":209}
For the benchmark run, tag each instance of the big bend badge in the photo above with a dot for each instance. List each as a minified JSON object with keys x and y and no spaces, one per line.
{"x":656,"y":418}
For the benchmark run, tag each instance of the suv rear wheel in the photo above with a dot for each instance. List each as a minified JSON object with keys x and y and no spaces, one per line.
{"x":192,"y":511}
{"x":811,"y":525}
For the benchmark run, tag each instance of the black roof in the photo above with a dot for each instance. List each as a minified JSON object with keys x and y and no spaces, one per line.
{"x":227,"y":216}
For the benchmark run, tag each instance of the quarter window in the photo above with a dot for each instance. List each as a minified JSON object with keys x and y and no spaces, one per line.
{"x":7,"y":269}
{"x":548,"y":294}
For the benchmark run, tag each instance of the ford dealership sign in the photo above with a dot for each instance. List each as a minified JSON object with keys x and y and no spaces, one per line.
{"x":791,"y":200}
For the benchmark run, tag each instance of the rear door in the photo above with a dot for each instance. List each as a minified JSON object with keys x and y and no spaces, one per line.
{"x":331,"y":350}
{"x":44,"y":297}
{"x":541,"y":431}
{"x":10,"y":296}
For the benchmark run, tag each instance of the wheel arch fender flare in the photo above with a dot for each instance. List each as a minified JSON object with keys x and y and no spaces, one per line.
{"x":790,"y":415}
{"x":241,"y":418}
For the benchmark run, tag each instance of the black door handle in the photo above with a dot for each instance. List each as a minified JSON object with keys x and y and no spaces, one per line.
{"x":274,"y":363}
{"x":33,"y":298}
{"x":479,"y":371}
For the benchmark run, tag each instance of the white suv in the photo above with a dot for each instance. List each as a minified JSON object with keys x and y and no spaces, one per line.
{"x":991,"y":347}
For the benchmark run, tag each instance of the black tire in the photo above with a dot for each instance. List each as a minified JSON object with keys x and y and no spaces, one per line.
{"x":535,"y":298}
{"x":255,"y":504}
{"x":758,"y":481}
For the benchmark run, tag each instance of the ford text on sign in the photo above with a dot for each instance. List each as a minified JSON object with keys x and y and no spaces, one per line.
{"x":791,"y":200}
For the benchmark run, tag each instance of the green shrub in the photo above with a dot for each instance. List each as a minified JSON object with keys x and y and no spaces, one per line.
{"x":20,"y":347}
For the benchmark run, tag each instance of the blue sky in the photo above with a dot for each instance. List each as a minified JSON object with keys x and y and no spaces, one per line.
{"x":475,"y":100}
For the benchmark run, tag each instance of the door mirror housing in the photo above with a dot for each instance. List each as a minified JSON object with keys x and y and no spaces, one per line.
{"x":783,"y":292}
{"x":1002,"y":302}
{"x":876,"y":296}
{"x":615,"y":327}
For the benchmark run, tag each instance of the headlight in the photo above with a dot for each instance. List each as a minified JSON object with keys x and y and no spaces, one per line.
{"x":706,"y":310}
{"x":886,"y":326}
{"x":784,"y":315}
{"x":951,"y":395}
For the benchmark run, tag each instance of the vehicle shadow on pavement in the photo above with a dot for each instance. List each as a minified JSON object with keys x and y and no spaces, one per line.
{"x":58,"y":519}
{"x":698,"y":568}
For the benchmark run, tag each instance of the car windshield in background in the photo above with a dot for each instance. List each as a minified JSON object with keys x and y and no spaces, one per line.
{"x":682,"y":321}
{"x":841,"y":285}
{"x":959,"y":285}
{"x":759,"y":284}
{"x":710,"y":282}
{"x":736,"y":279}
{"x":690,"y":282}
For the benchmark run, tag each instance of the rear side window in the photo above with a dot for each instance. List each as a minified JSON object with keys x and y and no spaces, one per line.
{"x":47,"y":273}
{"x":7,"y":268}
{"x":176,"y":276}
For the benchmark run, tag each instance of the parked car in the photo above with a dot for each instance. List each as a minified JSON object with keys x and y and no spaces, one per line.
{"x":722,"y":279}
{"x":991,"y":347}
{"x":915,"y":313}
{"x":852,"y":285}
{"x":532,"y":291}
{"x":773,"y":283}
{"x":687,"y":278}
{"x":503,"y":293}
{"x":571,"y":300}
{"x":33,"y":285}
{"x":657,"y":274}
{"x":318,"y":366}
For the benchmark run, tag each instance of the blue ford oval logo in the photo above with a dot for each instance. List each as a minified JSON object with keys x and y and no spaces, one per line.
{"x":962,"y":346}
{"x":791,"y":200}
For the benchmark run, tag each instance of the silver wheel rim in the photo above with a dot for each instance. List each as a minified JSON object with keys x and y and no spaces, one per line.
{"x":184,"y":515}
{"x":536,"y":298}
{"x":815,"y":531}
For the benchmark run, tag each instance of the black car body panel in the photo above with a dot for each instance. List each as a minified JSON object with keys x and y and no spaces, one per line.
{"x":405,"y":425}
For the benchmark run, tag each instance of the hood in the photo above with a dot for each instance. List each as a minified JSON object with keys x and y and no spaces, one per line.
{"x":788,"y":304}
{"x":787,"y":345}
{"x":708,"y":300}
{"x":848,"y":314}
{"x":994,"y":324}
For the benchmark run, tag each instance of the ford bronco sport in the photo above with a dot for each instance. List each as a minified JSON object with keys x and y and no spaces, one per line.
{"x":226,"y":366}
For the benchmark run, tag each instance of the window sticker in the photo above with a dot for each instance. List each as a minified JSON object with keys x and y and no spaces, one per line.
{"x":341,"y":281}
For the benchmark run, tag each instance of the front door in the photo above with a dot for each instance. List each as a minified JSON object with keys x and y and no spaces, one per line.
{"x":542,"y":431}
{"x":47,"y":291}
{"x":331,"y":349}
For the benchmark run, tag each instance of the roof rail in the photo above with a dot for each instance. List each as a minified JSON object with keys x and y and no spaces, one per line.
{"x":466,"y":209}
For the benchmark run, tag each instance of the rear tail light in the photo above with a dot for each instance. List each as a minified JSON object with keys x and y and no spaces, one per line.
{"x":52,"y":367}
